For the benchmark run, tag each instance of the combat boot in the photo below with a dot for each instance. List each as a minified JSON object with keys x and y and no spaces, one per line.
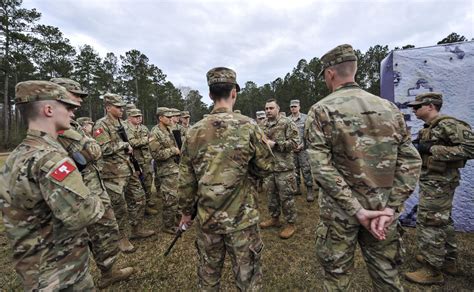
{"x":449,"y":267}
{"x":138,"y":232}
{"x":426,"y":275}
{"x":114,"y":275}
{"x":309,"y":194}
{"x":288,"y":231}
{"x":272,"y":222}
{"x":150,"y":211}
{"x":126,"y":246}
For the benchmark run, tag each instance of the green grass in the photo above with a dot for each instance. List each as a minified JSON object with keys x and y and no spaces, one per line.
{"x":287,"y":264}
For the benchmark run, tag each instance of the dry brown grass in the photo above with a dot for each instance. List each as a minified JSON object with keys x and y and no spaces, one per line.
{"x":287,"y":264}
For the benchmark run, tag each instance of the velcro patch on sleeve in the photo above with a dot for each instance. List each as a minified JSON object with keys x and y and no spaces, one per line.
{"x":98,"y":132}
{"x":62,"y":171}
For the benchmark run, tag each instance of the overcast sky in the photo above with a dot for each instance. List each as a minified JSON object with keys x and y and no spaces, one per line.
{"x":261,"y":40}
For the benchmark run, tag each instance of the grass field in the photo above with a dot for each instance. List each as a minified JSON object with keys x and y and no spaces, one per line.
{"x":287,"y":264}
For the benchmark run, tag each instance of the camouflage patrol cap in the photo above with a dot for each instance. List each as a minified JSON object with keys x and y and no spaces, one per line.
{"x":130,"y":106}
{"x":185,"y":114}
{"x":113,"y":99}
{"x":85,"y":120}
{"x":163,"y":111}
{"x":294,"y":102}
{"x":427,"y":98}
{"x":340,"y":54}
{"x":38,"y":90}
{"x":70,"y":85}
{"x":174,"y":112}
{"x":222,"y":75}
{"x":134,"y":112}
{"x":260,"y":114}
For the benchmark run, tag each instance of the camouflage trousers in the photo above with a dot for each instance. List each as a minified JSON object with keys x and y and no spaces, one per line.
{"x":147,"y":170}
{"x":281,"y":188}
{"x":104,"y":234}
{"x":301,"y":160}
{"x":244,"y":248}
{"x":86,"y":283}
{"x":169,"y":195}
{"x":434,"y":226}
{"x":128,"y":201}
{"x":336,"y":243}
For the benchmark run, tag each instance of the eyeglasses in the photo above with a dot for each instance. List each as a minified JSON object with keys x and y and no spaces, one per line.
{"x":293,"y":106}
{"x":417,"y":107}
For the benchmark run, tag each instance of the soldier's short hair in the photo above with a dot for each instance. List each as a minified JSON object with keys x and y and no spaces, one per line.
{"x":220,"y":91}
{"x":29,"y":111}
{"x":272,"y":100}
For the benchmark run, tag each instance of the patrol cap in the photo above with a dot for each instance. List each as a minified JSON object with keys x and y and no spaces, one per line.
{"x":134,"y":112}
{"x":294,"y":102}
{"x":113,"y":99}
{"x":185,"y":114}
{"x":222,"y":75}
{"x":84,"y":120}
{"x":427,"y":98}
{"x":174,"y":112}
{"x":130,"y":106}
{"x":163,"y":111}
{"x":340,"y":54}
{"x":70,"y":85}
{"x":38,"y":90}
{"x":260,"y":114}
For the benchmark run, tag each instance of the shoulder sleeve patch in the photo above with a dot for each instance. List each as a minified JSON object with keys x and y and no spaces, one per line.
{"x":467,"y":135}
{"x":98,"y":132}
{"x":62,"y":171}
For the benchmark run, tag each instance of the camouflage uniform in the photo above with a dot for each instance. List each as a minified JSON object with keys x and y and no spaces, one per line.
{"x":222,"y":155}
{"x":361,"y":155}
{"x":46,"y":206}
{"x":121,"y":183}
{"x":138,"y":138}
{"x":162,"y":148}
{"x":281,"y":183}
{"x":301,"y":158}
{"x":453,"y":144}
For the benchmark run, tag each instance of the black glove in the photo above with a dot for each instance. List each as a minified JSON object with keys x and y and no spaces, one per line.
{"x":80,"y":160}
{"x":424,"y":147}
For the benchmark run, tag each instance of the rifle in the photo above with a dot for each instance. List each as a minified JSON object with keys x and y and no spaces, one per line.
{"x":123,"y":135}
{"x":180,"y":231}
{"x":179,"y":143}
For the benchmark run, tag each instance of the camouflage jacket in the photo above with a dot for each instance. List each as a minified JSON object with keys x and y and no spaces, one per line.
{"x":453,"y":144}
{"x":115,"y":162}
{"x":46,"y":207}
{"x":222,"y":155}
{"x":162,"y":148}
{"x":299,"y":121}
{"x":360,"y":153}
{"x":138,"y":137}
{"x":284,"y":132}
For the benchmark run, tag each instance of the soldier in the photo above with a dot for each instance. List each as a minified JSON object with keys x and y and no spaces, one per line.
{"x":86,"y":124}
{"x":85,"y":151}
{"x":283,"y":138}
{"x":176,"y":128}
{"x":138,"y":136}
{"x":165,"y":152}
{"x":128,"y":107}
{"x":225,"y":199}
{"x":45,"y":204}
{"x":300,"y":154}
{"x":260,"y":115}
{"x":445,"y":143}
{"x":122,"y":184}
{"x":361,"y":155}
{"x":184,"y":120}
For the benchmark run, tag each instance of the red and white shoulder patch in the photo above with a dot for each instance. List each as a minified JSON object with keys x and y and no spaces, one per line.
{"x":98,"y":132}
{"x":62,"y":171}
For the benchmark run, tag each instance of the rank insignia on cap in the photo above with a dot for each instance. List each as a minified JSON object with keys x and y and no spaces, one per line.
{"x":98,"y":132}
{"x":63,"y":171}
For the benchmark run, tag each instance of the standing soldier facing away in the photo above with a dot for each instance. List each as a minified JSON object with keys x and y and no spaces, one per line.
{"x":300,"y":154}
{"x":362,"y":156}
{"x":445,"y":143}
{"x":121,"y":182}
{"x":221,"y":154}
{"x":45,"y":204}
{"x":104,"y":234}
{"x":138,"y":136}
{"x":283,"y":138}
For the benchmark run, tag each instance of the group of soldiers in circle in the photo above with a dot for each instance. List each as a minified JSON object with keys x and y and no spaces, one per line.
{"x":77,"y":186}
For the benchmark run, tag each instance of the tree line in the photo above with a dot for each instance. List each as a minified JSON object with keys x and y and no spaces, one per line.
{"x":30,"y":50}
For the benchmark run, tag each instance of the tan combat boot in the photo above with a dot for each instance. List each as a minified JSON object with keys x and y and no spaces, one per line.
{"x":272,"y":222}
{"x":309,"y":195}
{"x":115,"y":275}
{"x":150,"y":211}
{"x":138,"y":232}
{"x":426,"y":275}
{"x":288,"y":231}
{"x":126,"y":246}
{"x":449,"y":267}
